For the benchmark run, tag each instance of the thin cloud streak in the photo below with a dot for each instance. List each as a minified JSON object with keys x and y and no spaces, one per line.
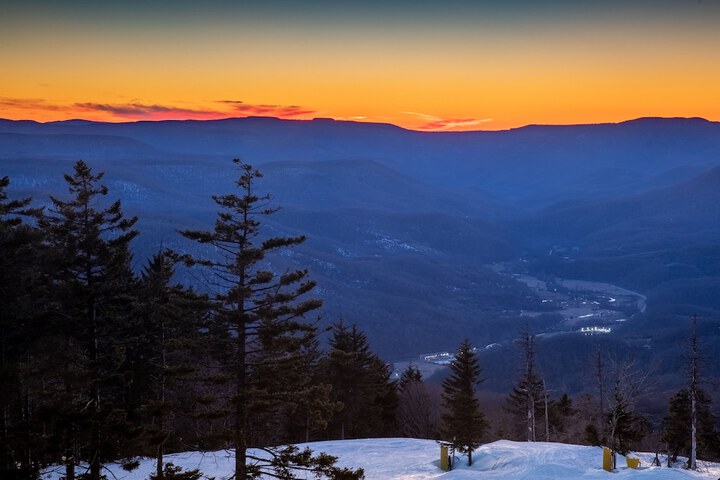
{"x":30,"y":104}
{"x":439,"y":124}
{"x":281,"y":111}
{"x":450,"y":124}
{"x":140,"y":111}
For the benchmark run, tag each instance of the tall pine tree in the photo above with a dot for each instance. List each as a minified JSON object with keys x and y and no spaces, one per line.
{"x":260,"y":318}
{"x":360,"y":384}
{"x":462,"y":420}
{"x":22,"y":304}
{"x":91,"y":243}
{"x":160,"y":347}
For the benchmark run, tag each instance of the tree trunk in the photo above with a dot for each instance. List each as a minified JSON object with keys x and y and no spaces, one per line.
{"x":600,"y":377}
{"x":69,"y":433}
{"x":6,"y":463}
{"x":26,"y":459}
{"x":95,"y":422}
{"x":159,"y":462}
{"x":240,"y":405}
{"x":531,"y":415}
{"x":69,"y":461}
{"x":547,"y":420}
{"x":161,"y":416}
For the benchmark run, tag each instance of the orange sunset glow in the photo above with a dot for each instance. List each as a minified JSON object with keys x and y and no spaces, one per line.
{"x":464,"y":67}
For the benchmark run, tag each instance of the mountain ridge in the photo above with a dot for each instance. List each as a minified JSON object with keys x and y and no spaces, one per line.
{"x":329,"y":120}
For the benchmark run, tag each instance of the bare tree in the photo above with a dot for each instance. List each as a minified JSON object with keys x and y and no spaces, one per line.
{"x":527,"y":396}
{"x":693,"y":391}
{"x":600,"y":378}
{"x":625,"y":425}
{"x":418,"y":410}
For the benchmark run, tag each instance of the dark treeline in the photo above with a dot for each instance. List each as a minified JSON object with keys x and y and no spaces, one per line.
{"x":99,"y":362}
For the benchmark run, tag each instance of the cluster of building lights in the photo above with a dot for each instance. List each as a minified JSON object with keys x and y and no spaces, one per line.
{"x":594,"y":330}
{"x":441,"y":357}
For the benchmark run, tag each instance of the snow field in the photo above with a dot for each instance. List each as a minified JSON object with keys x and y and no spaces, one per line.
{"x":413,"y":459}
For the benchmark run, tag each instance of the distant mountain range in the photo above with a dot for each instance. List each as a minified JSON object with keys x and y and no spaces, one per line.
{"x":403,"y":226}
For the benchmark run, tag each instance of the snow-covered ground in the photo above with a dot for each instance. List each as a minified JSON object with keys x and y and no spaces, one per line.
{"x":412,"y":459}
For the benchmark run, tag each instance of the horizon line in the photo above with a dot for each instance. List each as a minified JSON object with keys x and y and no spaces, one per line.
{"x":359,"y":122}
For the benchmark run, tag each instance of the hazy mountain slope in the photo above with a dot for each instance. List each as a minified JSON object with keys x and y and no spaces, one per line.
{"x":530,"y":166}
{"x":665,"y":242}
{"x":13,"y":145}
{"x":365,"y":184}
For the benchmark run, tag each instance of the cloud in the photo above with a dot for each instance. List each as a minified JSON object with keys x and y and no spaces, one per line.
{"x":138,"y":110}
{"x":29,"y":104}
{"x":450,"y":124}
{"x":135,"y":110}
{"x":282,"y":111}
{"x":423,"y":115}
{"x":438,"y":124}
{"x":131,"y":110}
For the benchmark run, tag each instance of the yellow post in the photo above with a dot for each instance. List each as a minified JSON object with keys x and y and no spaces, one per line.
{"x":444,"y":459}
{"x":607,"y":459}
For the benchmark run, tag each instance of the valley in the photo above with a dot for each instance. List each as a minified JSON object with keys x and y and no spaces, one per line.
{"x":569,"y":308}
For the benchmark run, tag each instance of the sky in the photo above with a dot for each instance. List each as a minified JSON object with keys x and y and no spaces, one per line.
{"x":424,"y":65}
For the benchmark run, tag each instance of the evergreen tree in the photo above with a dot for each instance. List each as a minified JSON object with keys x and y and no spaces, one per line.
{"x":93,"y":278}
{"x":296,"y":395}
{"x":560,"y":413}
{"x":160,"y":343}
{"x":410,"y":375}
{"x":308,"y":420}
{"x":260,"y":324}
{"x":677,"y":427}
{"x":22,"y":304}
{"x":462,"y":420}
{"x":360,"y":384}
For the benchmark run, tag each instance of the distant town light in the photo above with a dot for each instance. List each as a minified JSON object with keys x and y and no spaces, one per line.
{"x":594,"y":330}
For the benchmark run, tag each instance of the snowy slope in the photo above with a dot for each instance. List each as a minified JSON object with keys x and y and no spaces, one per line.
{"x":412,"y":459}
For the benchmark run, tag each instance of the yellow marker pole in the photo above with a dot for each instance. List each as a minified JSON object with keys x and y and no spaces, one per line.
{"x":444,"y":459}
{"x":607,"y":459}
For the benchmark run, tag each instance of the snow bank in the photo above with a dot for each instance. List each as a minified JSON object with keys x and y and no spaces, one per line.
{"x":412,"y":459}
